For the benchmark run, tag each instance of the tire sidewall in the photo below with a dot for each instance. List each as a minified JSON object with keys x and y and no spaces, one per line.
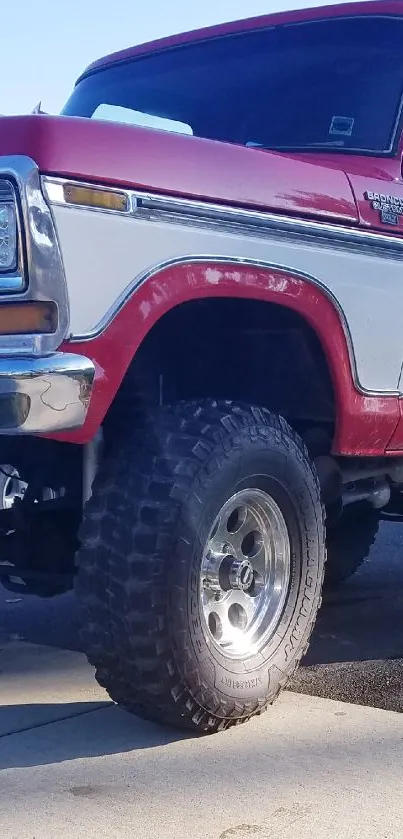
{"x":285,"y":474}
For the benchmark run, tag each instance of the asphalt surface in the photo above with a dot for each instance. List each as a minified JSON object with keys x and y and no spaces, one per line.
{"x":356,"y":654}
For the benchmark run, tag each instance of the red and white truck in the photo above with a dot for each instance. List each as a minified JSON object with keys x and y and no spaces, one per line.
{"x":201,"y":348}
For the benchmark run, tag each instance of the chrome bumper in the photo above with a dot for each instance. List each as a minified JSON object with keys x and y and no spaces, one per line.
{"x":43,"y":395}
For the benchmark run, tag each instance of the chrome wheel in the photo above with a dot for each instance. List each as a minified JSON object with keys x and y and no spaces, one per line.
{"x":11,"y":486}
{"x":245,"y":573}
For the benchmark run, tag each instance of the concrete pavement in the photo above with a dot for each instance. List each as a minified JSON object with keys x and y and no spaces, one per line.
{"x":80,"y":768}
{"x":72,"y":765}
{"x":36,"y":684}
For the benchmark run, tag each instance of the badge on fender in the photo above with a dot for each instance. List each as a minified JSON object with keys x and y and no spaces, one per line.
{"x":389,"y":207}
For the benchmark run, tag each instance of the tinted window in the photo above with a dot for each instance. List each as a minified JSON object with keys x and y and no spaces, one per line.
{"x":335,"y":83}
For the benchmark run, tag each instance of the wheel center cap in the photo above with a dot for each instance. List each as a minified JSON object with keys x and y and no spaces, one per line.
{"x":240,"y":574}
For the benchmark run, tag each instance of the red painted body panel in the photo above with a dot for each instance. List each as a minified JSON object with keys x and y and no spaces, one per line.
{"x":375,"y":174}
{"x":395,"y":446}
{"x":384,"y":7}
{"x":326,"y":187}
{"x":137,"y":157}
{"x":383,"y":186}
{"x":365,"y":424}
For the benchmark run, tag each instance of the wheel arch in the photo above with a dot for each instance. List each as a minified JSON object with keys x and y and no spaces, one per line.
{"x":363,"y":424}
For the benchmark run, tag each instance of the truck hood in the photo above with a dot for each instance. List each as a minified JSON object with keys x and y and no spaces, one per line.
{"x":179,"y":165}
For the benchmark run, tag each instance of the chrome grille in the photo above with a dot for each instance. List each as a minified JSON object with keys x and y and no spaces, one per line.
{"x":11,"y":276}
{"x":6,"y":191}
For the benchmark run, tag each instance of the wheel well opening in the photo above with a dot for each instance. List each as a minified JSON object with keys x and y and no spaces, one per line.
{"x":243,"y":350}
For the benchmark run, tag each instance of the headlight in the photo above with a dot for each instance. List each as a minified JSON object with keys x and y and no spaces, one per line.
{"x":8,"y":228}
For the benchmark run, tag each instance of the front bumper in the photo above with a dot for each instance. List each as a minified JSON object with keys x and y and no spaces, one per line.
{"x":44,"y":395}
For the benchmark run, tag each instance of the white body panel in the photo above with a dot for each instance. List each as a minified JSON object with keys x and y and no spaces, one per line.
{"x":104,"y":253}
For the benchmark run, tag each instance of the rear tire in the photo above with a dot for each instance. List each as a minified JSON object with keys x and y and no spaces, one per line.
{"x":349,"y":542}
{"x":145,"y":592}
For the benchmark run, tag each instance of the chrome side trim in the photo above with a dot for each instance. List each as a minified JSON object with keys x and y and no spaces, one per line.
{"x":193,"y":259}
{"x":44,"y":395}
{"x":44,"y":266}
{"x":252,"y":223}
{"x":121,"y":301}
{"x":233,"y":219}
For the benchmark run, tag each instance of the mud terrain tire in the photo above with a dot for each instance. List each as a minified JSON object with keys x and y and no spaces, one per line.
{"x":153,"y":507}
{"x":349,"y":542}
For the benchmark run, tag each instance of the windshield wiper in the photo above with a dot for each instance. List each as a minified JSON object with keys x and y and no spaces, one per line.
{"x":332,"y":146}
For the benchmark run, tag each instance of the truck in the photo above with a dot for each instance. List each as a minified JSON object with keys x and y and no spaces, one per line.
{"x":201,"y":394}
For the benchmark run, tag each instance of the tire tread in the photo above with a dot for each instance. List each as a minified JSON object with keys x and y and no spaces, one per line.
{"x":117,"y":592}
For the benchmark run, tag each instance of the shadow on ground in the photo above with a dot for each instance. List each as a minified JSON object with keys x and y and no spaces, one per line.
{"x":356,"y":652}
{"x":109,"y":731}
{"x":86,"y":732}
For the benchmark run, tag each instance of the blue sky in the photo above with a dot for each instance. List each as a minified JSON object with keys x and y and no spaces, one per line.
{"x":47,"y":43}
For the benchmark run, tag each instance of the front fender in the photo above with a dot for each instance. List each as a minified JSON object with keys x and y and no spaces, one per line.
{"x":364,"y":423}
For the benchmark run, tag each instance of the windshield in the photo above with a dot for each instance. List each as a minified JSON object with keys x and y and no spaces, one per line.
{"x":333,"y":84}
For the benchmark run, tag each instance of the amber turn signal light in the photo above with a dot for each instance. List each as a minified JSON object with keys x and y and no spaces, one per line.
{"x":103,"y":199}
{"x":28,"y":318}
